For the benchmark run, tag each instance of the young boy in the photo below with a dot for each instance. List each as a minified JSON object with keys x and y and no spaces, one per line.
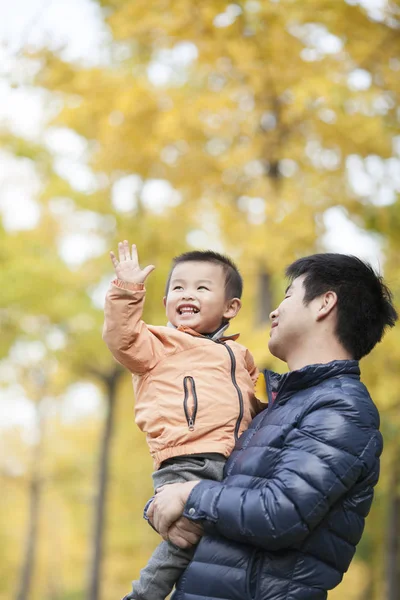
{"x":194,"y":387}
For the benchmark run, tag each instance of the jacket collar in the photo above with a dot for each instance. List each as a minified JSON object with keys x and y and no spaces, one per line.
{"x":215,"y":336}
{"x":283,"y":386}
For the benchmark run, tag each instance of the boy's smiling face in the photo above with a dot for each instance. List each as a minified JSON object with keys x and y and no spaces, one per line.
{"x":196,"y":297}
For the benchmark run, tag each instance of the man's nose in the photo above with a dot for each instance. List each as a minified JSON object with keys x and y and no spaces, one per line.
{"x":273,"y":315}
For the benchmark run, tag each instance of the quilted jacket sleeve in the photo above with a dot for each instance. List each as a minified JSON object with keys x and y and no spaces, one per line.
{"x":325,"y":454}
{"x":126,"y":335}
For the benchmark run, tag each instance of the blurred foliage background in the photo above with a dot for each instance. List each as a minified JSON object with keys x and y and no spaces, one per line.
{"x":248,"y":127}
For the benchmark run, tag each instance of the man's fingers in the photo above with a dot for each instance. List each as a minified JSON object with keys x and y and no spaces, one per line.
{"x":185,"y":532}
{"x":150,"y":510}
{"x":168,"y":505}
{"x":189,"y":537}
{"x":182,"y":537}
{"x":179,"y":541}
{"x":193,"y":528}
{"x":162,"y":525}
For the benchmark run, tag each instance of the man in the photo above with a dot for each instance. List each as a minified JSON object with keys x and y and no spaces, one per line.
{"x":285,"y":521}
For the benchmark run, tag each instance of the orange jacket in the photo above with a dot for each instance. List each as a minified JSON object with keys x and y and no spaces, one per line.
{"x":193,"y":395}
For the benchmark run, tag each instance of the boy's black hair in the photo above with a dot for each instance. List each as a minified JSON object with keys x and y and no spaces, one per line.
{"x":233,"y":279}
{"x":364,"y":305}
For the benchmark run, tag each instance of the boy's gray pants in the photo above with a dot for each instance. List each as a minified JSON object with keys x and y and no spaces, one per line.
{"x":167,"y":562}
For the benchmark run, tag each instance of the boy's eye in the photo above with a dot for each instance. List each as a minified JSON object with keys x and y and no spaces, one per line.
{"x":177,"y":287}
{"x":202,"y":287}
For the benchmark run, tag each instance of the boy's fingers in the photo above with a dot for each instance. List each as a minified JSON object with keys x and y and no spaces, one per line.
{"x":148,"y":270}
{"x":135,"y":257}
{"x":121,"y":251}
{"x":126,"y":250}
{"x":113,"y":259}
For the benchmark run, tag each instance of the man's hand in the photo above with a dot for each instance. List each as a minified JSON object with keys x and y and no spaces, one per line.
{"x":185,"y":533}
{"x":168,"y":505}
{"x":127,"y":268}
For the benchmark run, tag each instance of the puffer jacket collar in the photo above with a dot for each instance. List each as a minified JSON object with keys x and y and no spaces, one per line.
{"x":281,"y":387}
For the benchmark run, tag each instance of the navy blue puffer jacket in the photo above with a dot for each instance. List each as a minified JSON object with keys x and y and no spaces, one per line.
{"x":284,"y":523}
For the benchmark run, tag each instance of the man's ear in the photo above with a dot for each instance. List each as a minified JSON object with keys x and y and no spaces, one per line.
{"x":165,"y":301}
{"x":232,"y":308}
{"x":327,"y":302}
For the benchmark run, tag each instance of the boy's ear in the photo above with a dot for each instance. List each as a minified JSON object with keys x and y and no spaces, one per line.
{"x":165,"y":301}
{"x":232,"y":308}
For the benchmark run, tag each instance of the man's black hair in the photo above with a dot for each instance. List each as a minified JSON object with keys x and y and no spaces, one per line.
{"x":364,"y":306}
{"x":233,"y":279}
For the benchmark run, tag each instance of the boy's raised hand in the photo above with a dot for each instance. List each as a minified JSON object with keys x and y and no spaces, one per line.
{"x":127,"y":268}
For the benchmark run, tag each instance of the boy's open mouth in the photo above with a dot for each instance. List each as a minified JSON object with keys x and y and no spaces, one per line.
{"x":187,"y":309}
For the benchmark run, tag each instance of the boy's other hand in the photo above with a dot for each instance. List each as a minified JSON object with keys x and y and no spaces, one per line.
{"x":127,"y":268}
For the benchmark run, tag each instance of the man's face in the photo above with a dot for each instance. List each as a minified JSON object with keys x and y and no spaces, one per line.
{"x":292,"y":322}
{"x":196,"y":296}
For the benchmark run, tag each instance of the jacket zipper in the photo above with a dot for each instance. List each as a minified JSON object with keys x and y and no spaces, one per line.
{"x":191,"y":419}
{"x":239,"y":391}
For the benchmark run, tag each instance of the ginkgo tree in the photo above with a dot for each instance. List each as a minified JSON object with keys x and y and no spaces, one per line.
{"x":228,"y":125}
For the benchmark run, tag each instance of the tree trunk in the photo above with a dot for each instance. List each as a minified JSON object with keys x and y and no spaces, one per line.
{"x":102,"y":486}
{"x":369,"y":589}
{"x":264,"y":300}
{"x":28,"y":565}
{"x":393,"y":545}
{"x":35,"y":496}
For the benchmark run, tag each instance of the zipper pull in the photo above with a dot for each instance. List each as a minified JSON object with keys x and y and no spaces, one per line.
{"x":191,"y":424}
